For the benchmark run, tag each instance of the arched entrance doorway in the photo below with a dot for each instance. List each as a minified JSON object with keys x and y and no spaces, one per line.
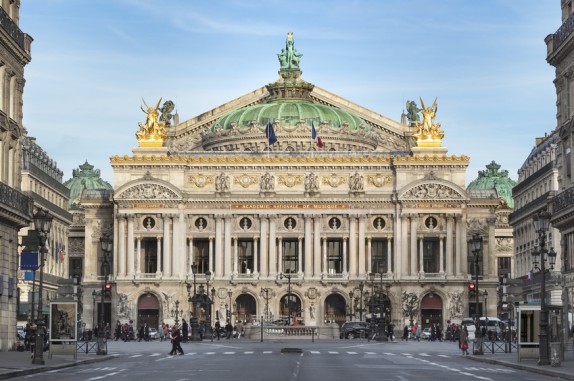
{"x":431,"y":310}
{"x":246,"y":308}
{"x":335,"y":309}
{"x":290,"y":306}
{"x":148,"y":310}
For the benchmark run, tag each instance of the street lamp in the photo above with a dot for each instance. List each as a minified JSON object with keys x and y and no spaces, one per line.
{"x":485,"y":293}
{"x":382,"y":335}
{"x":193,"y":300}
{"x":229,"y":293}
{"x":541,"y":225}
{"x":106,"y":245}
{"x":177,"y":312}
{"x":288,"y":276}
{"x":94,"y":295}
{"x":265,"y":295}
{"x":476,"y":244}
{"x":43,"y":224}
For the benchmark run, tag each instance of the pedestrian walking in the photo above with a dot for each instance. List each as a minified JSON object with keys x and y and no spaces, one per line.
{"x":418,"y":333}
{"x":184,"y":330}
{"x":406,"y":331}
{"x":218,"y":329}
{"x":228,"y":330}
{"x":463,"y":341}
{"x":176,"y":341}
{"x":161,"y":332}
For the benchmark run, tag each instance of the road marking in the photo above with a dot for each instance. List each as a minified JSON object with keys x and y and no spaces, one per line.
{"x":315,"y":352}
{"x":209,"y":353}
{"x":267,"y":352}
{"x":228,"y":353}
{"x":445,"y":356}
{"x":370,"y":353}
{"x":388,"y":354}
{"x":248,"y":353}
{"x":351,"y":353}
{"x":190,"y":354}
{"x":424,"y":354}
{"x":136,"y":356}
{"x":333,"y":353}
{"x":155,"y":354}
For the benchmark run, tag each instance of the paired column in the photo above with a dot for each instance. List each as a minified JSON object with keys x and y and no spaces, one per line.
{"x":218,"y":246}
{"x":449,"y":255}
{"x":308,"y":248}
{"x":264,"y":245}
{"x":353,"y":246}
{"x":272,"y":246}
{"x":414,"y":226}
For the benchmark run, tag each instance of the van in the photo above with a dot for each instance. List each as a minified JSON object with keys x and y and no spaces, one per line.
{"x":494,"y":326}
{"x":470,"y":327}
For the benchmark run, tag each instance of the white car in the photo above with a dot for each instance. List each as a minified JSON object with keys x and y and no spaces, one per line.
{"x":153,"y":334}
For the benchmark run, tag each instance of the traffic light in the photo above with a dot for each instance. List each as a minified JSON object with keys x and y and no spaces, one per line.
{"x":108,"y":287}
{"x":471,"y":289}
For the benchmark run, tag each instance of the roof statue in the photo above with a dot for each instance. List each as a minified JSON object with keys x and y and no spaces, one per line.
{"x":289,"y":57}
{"x":152,"y":133}
{"x":166,"y":109}
{"x":428,"y":133}
{"x":413,"y":112}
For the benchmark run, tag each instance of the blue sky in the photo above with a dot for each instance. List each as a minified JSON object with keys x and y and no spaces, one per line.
{"x":93,"y":61}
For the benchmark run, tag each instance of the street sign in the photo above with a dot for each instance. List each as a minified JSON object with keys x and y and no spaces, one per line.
{"x":29,"y":260}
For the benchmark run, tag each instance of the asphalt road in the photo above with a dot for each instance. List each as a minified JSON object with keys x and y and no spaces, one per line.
{"x":288,"y":360}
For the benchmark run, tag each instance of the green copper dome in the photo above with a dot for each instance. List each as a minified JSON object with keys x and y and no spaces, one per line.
{"x":289,"y":113}
{"x":493,"y":179}
{"x":85,"y":178}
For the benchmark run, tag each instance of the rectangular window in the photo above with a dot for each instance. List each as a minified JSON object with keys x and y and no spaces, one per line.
{"x":201,"y":255}
{"x":290,"y":256}
{"x":334,"y":256}
{"x":431,"y":255}
{"x":503,"y":267}
{"x":379,"y":256}
{"x":149,"y":247}
{"x":471,"y":263}
{"x":245,"y":256}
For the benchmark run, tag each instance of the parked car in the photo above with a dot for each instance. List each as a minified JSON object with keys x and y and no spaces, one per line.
{"x":153,"y":334}
{"x":426,"y":334}
{"x":353,"y":329}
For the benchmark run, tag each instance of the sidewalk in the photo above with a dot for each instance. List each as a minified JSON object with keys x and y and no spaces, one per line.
{"x":565,"y":371}
{"x":16,"y":364}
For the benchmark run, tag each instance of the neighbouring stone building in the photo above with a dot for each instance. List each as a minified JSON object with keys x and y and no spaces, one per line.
{"x":283,"y":201}
{"x":15,"y":206}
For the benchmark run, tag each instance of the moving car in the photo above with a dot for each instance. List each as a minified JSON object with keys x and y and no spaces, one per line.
{"x":426,"y":334}
{"x":153,"y":334}
{"x":353,"y":329}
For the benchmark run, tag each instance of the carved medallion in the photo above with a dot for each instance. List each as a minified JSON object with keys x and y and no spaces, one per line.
{"x":291,"y":180}
{"x":200,"y":180}
{"x":245,"y":180}
{"x":334,"y":180}
{"x":379,"y":180}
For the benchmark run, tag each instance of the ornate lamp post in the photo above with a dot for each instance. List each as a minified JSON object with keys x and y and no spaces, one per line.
{"x":194,"y":301}
{"x":382,"y":335}
{"x":288,"y":276}
{"x":351,"y":314}
{"x":265,"y":294}
{"x":177,"y":312}
{"x":94,"y":295}
{"x":43,"y":224}
{"x":229,"y":293}
{"x":476,"y":245}
{"x":106,"y":245}
{"x":541,"y":225}
{"x":485,"y":294}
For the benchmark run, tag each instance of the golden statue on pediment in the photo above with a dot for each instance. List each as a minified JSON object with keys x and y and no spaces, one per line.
{"x":152,"y":133}
{"x":428,"y":133}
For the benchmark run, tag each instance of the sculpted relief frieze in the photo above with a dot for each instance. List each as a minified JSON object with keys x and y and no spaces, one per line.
{"x":148,"y":191}
{"x":245,"y":180}
{"x":431,"y":192}
{"x":379,"y":180}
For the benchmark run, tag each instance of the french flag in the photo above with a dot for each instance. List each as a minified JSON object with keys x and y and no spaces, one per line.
{"x":316,"y":138}
{"x":530,"y":275}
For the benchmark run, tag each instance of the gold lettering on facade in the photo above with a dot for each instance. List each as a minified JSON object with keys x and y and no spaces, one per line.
{"x":290,"y":206}
{"x":147,"y":206}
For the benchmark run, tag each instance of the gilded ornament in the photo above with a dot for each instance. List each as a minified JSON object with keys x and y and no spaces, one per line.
{"x":245,"y":180}
{"x":291,"y":180}
{"x":379,"y":180}
{"x":200,"y":180}
{"x":334,"y":180}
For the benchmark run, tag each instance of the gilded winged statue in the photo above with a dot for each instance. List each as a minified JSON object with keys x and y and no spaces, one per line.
{"x":428,"y":130}
{"x":152,"y":129}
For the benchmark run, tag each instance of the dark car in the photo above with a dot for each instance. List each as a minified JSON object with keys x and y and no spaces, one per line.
{"x":352,"y":329}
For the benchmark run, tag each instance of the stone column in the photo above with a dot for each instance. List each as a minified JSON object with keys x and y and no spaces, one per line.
{"x":421,"y":254}
{"x":345,"y":256}
{"x":414,"y":262}
{"x":138,"y":255}
{"x":235,"y":257}
{"x":166,"y":247}
{"x":264,"y":246}
{"x":300,"y":255}
{"x":324,"y":269}
{"x":369,"y":254}
{"x":390,"y":268}
{"x":362,"y":245}
{"x":441,"y":254}
{"x":353,"y":246}
{"x":308,"y":247}
{"x":227,"y":247}
{"x":280,"y":264}
{"x":272,"y":246}
{"x":449,"y":254}
{"x":464,"y":245}
{"x":131,"y":246}
{"x":191,"y":255}
{"x":219,"y":256}
{"x":160,"y":256}
{"x":488,"y":266}
{"x":317,"y":268}
{"x":122,"y":245}
{"x":256,"y":254}
{"x":211,"y":256}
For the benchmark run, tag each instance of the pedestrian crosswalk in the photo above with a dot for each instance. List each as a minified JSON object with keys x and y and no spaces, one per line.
{"x":305,"y":352}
